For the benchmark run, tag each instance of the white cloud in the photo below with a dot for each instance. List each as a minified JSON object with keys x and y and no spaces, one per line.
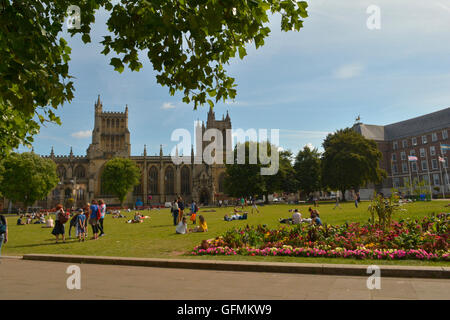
{"x":82,"y":134}
{"x":310,"y":146}
{"x":167,"y":106}
{"x":348,"y":71}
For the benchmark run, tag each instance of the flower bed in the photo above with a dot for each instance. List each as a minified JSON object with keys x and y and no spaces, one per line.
{"x":425,"y":239}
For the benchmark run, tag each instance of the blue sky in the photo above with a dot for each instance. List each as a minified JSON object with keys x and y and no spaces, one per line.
{"x":305,"y":83}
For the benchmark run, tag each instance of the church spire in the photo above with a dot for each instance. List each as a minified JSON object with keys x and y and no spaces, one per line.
{"x":145,"y":150}
{"x":160,"y":150}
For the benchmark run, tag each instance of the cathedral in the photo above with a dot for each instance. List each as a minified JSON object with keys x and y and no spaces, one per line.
{"x":161,"y":181}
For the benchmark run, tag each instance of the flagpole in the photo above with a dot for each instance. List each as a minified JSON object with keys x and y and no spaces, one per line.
{"x":410,"y":178}
{"x":442,"y":177}
{"x":429,"y":177}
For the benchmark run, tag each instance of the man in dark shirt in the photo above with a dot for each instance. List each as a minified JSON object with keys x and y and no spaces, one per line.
{"x":3,"y":232}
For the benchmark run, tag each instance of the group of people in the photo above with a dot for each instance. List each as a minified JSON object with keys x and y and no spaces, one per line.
{"x":93,"y":214}
{"x":297,"y":217}
{"x":28,"y":218}
{"x":180,"y":221}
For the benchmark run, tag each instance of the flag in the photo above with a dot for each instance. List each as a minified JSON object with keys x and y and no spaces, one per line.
{"x":412,"y":158}
{"x":445,"y":146}
{"x":441,"y":159}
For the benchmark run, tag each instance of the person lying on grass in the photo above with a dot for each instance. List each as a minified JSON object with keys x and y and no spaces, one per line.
{"x":235,"y":217}
{"x":202,"y":227}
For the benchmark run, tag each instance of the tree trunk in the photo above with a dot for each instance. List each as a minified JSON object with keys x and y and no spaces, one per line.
{"x":343,"y":195}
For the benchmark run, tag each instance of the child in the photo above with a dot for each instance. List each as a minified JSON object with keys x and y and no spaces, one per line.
{"x":81,"y":225}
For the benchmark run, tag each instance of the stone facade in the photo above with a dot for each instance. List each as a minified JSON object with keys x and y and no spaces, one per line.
{"x":80,"y":176}
{"x":421,"y":137}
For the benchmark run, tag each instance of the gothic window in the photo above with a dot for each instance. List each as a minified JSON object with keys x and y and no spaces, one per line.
{"x":185,"y":181}
{"x":80,"y":172}
{"x":153,"y":181}
{"x":61,"y":172}
{"x":169,"y":181}
{"x":68,"y":193}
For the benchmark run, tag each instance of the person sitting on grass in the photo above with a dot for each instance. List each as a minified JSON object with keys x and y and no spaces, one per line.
{"x":182,"y":227}
{"x":20,"y":221}
{"x":202,"y":227}
{"x":315,"y":219}
{"x":313,"y":212}
{"x":137,"y":218}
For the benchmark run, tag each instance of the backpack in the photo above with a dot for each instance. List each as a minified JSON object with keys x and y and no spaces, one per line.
{"x":63,"y":217}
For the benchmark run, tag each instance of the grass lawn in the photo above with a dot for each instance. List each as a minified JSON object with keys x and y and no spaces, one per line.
{"x":156,"y":237}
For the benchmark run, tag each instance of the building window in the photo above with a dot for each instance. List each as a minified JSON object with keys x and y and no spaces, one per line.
{"x":61,"y":172}
{"x":396,"y":182}
{"x":80,"y":172}
{"x":169,"y":181}
{"x":405,"y":143}
{"x":414,"y":141}
{"x":395,"y":145}
{"x":433,"y":150}
{"x":412,"y":152}
{"x":424,"y":165}
{"x":436,"y":179}
{"x":445,"y":162}
{"x":185,"y":181}
{"x":153,"y":181}
{"x":434,"y":164}
{"x":414,"y":166}
{"x":394,"y":168}
{"x":403,"y":155}
{"x":422,"y":152}
{"x":434,"y":137}
{"x":444,"y":134}
{"x":404,"y":167}
{"x":424,"y":139}
{"x":394,"y":157}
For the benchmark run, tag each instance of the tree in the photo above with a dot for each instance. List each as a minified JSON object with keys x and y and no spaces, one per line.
{"x":27,"y":177}
{"x":284,"y":180}
{"x":244,"y":180}
{"x":119,"y":176}
{"x":350,"y":161}
{"x":188,"y":42}
{"x":307,"y":168}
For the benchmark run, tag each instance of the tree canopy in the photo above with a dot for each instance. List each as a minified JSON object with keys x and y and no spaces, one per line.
{"x":246,"y":179}
{"x":308,"y":170}
{"x":119,"y":176}
{"x":188,"y":42}
{"x":27,"y":177}
{"x":350,"y":161}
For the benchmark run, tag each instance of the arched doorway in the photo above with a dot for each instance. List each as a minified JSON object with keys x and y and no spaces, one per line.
{"x":204,"y":197}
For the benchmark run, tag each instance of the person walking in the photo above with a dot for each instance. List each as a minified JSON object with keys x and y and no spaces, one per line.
{"x":181,"y":209}
{"x":337,"y":203}
{"x":175,"y":211}
{"x":60,"y":219}
{"x":102,"y":207}
{"x":254,"y":206}
{"x":3,"y":232}
{"x":194,"y":210}
{"x":94,"y":217}
{"x":73,"y":224}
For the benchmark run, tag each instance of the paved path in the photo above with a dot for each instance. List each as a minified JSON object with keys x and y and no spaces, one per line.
{"x":22,"y":279}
